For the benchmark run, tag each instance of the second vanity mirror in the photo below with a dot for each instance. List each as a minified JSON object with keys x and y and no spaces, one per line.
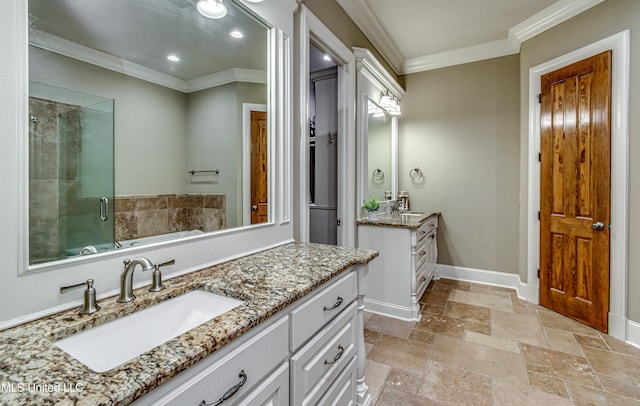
{"x":147,"y":122}
{"x":379,"y":147}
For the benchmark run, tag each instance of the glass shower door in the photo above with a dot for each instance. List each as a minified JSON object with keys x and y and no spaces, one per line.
{"x":86,"y":179}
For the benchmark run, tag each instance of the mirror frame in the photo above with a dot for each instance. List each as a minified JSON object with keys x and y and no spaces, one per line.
{"x":278,"y":17}
{"x":373,"y":80}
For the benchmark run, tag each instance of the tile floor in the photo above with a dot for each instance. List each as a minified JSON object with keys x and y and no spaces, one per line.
{"x":480,"y":345}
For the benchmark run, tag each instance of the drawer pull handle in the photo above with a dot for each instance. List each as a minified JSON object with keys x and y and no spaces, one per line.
{"x":337,"y":357}
{"x":335,"y":306}
{"x":229,"y":393}
{"x":422,"y":253}
{"x":423,"y":232}
{"x":433,"y":236}
{"x":424,"y":278}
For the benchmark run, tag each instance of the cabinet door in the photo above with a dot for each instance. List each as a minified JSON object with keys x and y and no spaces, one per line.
{"x":274,"y":391}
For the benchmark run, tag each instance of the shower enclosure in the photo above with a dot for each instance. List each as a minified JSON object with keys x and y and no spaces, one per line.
{"x":71,"y":176}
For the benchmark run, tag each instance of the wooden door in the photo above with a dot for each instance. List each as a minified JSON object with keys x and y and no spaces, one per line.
{"x":259,"y":166}
{"x":575,"y":190}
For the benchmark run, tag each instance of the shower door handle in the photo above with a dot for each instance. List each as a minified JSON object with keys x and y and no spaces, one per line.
{"x":104,"y":208}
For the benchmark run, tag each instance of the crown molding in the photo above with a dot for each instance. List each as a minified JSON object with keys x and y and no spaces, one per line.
{"x":376,"y":73}
{"x":363,"y":17}
{"x":91,"y":56}
{"x":558,"y":12}
{"x":459,"y":56}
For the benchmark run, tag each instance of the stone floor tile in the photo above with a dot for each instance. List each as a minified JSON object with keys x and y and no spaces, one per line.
{"x":481,"y":299}
{"x":587,"y":396}
{"x":591,"y":341}
{"x":431,"y":309}
{"x":560,"y":322}
{"x":394,"y":397}
{"x":510,"y":395}
{"x":613,"y":364}
{"x":493,"y":342}
{"x":441,"y":325}
{"x":620,"y":346}
{"x":466,"y":312}
{"x":622,"y":387}
{"x":371,"y":336}
{"x":488,"y":290}
{"x":422,"y":336}
{"x":559,"y":364}
{"x":405,"y":381}
{"x":451,"y":386}
{"x":401,"y":353}
{"x":552,"y":385}
{"x":367,"y":348}
{"x":436,"y":298}
{"x":376,"y":376}
{"x":482,"y":328}
{"x":563,"y":341}
{"x":518,"y":327}
{"x":498,"y":364}
{"x":389,"y":326}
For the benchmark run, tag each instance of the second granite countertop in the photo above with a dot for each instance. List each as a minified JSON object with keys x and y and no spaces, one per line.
{"x":267,"y":281}
{"x":411,"y":221}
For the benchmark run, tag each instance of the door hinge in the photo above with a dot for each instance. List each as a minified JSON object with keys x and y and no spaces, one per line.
{"x":540,"y":98}
{"x":338,"y":222}
{"x":538,"y":216}
{"x":538,"y":273}
{"x":539,"y":156}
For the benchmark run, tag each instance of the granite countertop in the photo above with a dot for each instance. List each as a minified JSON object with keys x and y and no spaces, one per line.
{"x":413,"y":221}
{"x":267,"y":281}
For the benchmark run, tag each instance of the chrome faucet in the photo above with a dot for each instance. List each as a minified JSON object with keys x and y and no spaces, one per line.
{"x":126,"y":279}
{"x":395,"y":206}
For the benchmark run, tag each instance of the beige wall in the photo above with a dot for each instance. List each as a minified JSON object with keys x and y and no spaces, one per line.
{"x":460,"y":126}
{"x":608,"y":18}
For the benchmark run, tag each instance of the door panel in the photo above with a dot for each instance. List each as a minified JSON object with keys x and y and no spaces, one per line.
{"x":575,"y":190}
{"x":259,"y":165}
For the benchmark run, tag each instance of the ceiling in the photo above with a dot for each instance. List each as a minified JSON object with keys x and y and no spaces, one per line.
{"x":419,"y":35}
{"x":145,"y":32}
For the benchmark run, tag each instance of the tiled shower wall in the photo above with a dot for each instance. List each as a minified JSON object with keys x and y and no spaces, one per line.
{"x":146,"y":215}
{"x":46,"y":177}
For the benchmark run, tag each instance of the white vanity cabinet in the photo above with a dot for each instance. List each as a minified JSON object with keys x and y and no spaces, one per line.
{"x":398,"y":278}
{"x":305,"y":355}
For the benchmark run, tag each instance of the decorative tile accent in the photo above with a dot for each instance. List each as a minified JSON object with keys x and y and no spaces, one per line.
{"x":147,"y":215}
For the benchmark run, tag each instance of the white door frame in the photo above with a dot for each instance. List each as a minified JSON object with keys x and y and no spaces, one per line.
{"x":310,"y":28}
{"x":619,"y":44}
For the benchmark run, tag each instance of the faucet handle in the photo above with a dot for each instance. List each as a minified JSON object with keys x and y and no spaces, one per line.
{"x":89,"y":305}
{"x":156,"y":281}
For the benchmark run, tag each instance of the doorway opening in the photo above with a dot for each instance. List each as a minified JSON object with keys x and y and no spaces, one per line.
{"x":323,"y":147}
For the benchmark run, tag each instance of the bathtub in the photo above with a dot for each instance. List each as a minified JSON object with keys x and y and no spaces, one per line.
{"x":92,"y":249}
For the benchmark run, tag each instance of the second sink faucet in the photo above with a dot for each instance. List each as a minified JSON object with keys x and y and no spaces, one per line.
{"x":126,"y":279}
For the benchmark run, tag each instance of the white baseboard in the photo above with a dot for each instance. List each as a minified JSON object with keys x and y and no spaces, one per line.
{"x":391,"y":310}
{"x":619,"y":326}
{"x":494,"y":278}
{"x":633,"y":333}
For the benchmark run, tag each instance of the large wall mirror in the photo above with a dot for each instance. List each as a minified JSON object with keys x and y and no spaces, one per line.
{"x":379,"y":148}
{"x":147,"y":122}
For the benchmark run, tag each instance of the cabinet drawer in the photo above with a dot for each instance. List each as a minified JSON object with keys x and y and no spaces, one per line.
{"x":318,"y":363}
{"x":273,"y":391}
{"x":421,"y":253}
{"x":426,"y":228}
{"x":343,"y":391}
{"x":211,"y":383}
{"x":315,"y":313}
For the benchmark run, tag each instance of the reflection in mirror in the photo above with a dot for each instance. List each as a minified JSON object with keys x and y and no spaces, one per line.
{"x":379,"y":151}
{"x":147,"y":122}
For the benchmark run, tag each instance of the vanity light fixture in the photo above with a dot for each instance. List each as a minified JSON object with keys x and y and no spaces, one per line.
{"x":211,"y":8}
{"x":326,"y":58}
{"x":390,"y":103}
{"x":385,"y":100}
{"x":173,"y":58}
{"x":236,"y":34}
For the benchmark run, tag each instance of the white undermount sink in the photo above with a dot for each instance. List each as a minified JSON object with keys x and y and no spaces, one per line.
{"x":109,"y":345}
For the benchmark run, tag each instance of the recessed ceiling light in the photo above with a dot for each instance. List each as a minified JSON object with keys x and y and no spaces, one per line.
{"x":236,"y":34}
{"x":211,"y":8}
{"x":326,"y":57}
{"x":173,"y":58}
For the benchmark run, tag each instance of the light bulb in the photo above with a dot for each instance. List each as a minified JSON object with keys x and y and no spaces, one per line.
{"x":211,"y":8}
